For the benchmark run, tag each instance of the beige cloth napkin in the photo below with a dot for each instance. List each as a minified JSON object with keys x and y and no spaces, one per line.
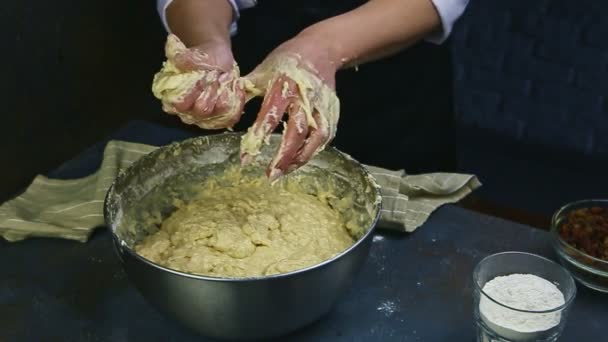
{"x":72,"y":209}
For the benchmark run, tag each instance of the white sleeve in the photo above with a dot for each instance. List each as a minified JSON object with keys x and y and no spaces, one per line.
{"x":161,"y":6}
{"x":449,"y":12}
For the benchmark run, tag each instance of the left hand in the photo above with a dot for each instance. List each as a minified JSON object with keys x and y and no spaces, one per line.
{"x":200,"y":84}
{"x":298,"y":77}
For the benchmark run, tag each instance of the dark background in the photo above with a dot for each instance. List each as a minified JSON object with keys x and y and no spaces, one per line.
{"x":530,"y":90}
{"x":72,"y":72}
{"x":531,"y":86}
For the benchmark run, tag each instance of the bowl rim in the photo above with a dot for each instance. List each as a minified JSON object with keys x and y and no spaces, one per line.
{"x":565,"y":209}
{"x":119,"y":243}
{"x":567,"y":302}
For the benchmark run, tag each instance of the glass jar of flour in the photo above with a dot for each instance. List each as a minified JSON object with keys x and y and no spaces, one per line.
{"x":521,"y":297}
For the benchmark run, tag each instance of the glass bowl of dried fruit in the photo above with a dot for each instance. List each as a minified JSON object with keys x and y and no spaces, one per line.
{"x":579,"y":232}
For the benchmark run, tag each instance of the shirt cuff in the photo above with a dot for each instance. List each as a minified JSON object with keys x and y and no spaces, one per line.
{"x":449,"y":11}
{"x":161,"y":6}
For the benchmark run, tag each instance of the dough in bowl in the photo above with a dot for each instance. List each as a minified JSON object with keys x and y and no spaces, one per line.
{"x":250,"y":228}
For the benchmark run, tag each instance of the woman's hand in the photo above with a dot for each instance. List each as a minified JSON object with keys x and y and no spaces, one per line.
{"x":297,"y":78}
{"x":200,"y":84}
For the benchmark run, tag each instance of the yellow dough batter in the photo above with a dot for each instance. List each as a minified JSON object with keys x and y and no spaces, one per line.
{"x":247,"y":229}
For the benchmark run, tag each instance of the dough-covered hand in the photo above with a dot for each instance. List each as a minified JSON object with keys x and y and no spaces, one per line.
{"x":200,"y":84}
{"x":298,"y":79}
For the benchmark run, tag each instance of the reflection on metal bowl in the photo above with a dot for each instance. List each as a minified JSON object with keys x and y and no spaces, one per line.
{"x":249,"y":308}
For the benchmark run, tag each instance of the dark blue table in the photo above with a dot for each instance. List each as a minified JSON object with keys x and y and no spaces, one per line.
{"x":413,"y":287}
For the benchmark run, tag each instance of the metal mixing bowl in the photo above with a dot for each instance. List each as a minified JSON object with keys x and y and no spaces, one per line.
{"x":250,"y":308}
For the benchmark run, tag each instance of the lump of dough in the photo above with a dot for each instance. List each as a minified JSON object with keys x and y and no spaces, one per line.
{"x":170,"y":84}
{"x":247,"y":229}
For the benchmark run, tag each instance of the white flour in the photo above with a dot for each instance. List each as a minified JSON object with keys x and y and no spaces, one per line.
{"x":523,"y":292}
{"x":387,"y":307}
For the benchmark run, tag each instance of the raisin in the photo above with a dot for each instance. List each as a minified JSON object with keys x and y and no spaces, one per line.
{"x":586,"y":229}
{"x":596,"y":210}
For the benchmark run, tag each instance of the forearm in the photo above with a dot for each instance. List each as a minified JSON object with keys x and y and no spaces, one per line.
{"x":199,"y":22}
{"x":375,"y":30}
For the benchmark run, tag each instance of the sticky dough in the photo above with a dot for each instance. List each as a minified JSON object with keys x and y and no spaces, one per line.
{"x":247,"y":229}
{"x":171,"y":84}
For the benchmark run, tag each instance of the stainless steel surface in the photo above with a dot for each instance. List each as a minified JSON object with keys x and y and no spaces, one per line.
{"x":251,"y":308}
{"x":588,"y":270}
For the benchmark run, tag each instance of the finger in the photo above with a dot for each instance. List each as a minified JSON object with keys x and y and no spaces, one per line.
{"x":228,"y":92}
{"x":215,"y":87}
{"x":294,"y":137}
{"x":318,"y":137}
{"x":201,"y":93}
{"x":230,"y":103}
{"x":237,"y":110}
{"x":275,"y":103}
{"x":205,"y":103}
{"x":187,"y":101}
{"x":224,"y":103}
{"x":282,"y":92}
{"x":227,"y":112}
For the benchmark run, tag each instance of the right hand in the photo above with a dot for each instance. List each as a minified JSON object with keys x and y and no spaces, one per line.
{"x":214,"y":97}
{"x":298,"y":77}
